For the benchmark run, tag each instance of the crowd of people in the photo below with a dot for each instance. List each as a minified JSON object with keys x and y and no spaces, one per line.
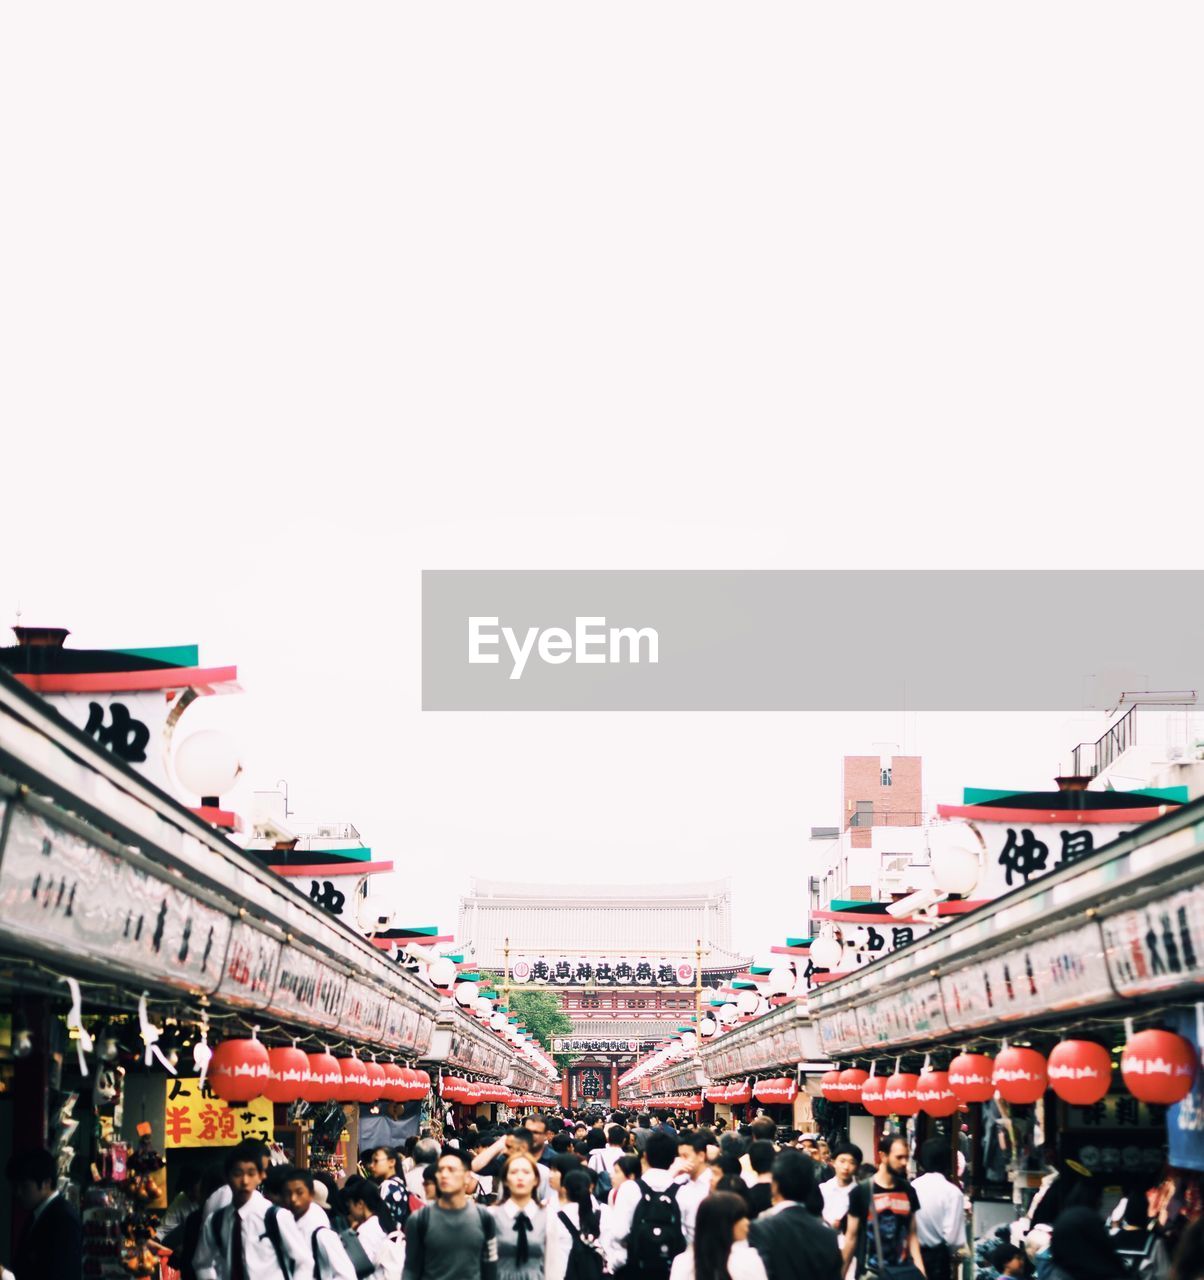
{"x":581,"y":1198}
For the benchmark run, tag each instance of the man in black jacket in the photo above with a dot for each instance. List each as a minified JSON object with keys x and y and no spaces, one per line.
{"x":51,"y":1245}
{"x":793,"y":1243}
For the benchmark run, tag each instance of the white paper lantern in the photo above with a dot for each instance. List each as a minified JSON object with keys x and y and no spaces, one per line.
{"x":707,"y":1026}
{"x":689,"y":1039}
{"x":207,"y":763}
{"x":762,"y":1006}
{"x":826,"y":952}
{"x":955,"y":852}
{"x":498,"y":1022}
{"x":746,"y":1002}
{"x":466,"y":993}
{"x":781,"y":979}
{"x":441,"y":972}
{"x":483,"y":1007}
{"x":728,"y":1013}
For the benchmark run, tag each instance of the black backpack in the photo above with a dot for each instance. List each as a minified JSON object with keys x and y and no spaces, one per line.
{"x":656,"y":1233}
{"x":585,"y":1260}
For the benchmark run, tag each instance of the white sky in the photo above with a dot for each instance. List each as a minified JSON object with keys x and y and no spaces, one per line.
{"x":299,"y":300}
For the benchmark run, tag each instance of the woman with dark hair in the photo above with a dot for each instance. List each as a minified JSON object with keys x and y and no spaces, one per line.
{"x":384,"y":1166}
{"x":623,"y":1168}
{"x":1082,"y":1249}
{"x":721,"y":1250}
{"x":522,"y":1222}
{"x":367,"y":1240}
{"x":575,"y":1248}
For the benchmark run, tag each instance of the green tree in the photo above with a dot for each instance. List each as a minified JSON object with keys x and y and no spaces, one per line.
{"x":544,"y":1018}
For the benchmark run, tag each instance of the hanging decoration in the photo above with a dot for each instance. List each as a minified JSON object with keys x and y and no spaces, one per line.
{"x":873,"y":1096}
{"x":900,"y":1093}
{"x":935,"y":1095}
{"x":829,"y":1085}
{"x":325,"y":1078}
{"x":239,"y":1070}
{"x":1080,"y":1072}
{"x":75,"y":1025}
{"x":1158,"y":1066}
{"x":851,"y":1080}
{"x":971,"y":1077}
{"x":1020,"y":1075}
{"x":150,"y":1037}
{"x":288,"y":1077}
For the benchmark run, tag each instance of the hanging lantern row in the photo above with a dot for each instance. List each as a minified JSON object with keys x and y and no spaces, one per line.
{"x":691,"y":1102}
{"x":782,"y":1091}
{"x":241,"y":1070}
{"x":472,"y":1092}
{"x":1156,"y":1066}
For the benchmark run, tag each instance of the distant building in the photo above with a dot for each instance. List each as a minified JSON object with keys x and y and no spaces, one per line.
{"x":624,"y":957}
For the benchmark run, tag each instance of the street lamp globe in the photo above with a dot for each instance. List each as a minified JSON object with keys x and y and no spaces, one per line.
{"x":955,"y":853}
{"x":207,"y":763}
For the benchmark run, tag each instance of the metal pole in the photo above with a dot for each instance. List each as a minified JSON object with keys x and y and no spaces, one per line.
{"x":506,"y":972}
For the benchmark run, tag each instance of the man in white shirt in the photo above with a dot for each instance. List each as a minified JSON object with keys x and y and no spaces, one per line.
{"x":835,"y":1191}
{"x":251,"y":1238}
{"x":692,"y":1160}
{"x":941,"y":1218}
{"x":330,"y":1258}
{"x":604,"y":1159}
{"x":659,"y":1155}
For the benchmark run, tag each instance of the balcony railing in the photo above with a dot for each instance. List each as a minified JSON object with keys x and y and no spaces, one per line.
{"x":1090,"y":758}
{"x":882,"y":818}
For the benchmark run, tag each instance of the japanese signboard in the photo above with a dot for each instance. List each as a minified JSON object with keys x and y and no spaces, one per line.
{"x":249,"y":976}
{"x":912,"y":1013}
{"x":63,"y":891}
{"x":635,"y":971}
{"x":366,"y":1012}
{"x":1061,"y":972}
{"x":582,"y":1044}
{"x":1157,"y":946}
{"x":338,"y":890}
{"x":1019,"y":852}
{"x":133,"y":726}
{"x":194,"y":1117}
{"x":308,"y":988}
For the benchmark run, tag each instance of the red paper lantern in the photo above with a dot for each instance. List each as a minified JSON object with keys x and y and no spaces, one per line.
{"x":1157,"y":1066}
{"x":239,"y":1070}
{"x":289,"y":1077}
{"x":420,"y":1086}
{"x":1020,"y":1075}
{"x":971,"y":1077}
{"x":829,"y":1085}
{"x":375,"y":1088}
{"x":935,"y":1094}
{"x":1080,"y":1072}
{"x":900,"y":1094}
{"x":851,"y":1081}
{"x":394,"y":1086}
{"x":355,"y":1080}
{"x":872,"y":1098}
{"x":325,"y":1078}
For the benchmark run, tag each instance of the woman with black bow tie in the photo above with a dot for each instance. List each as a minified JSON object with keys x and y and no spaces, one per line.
{"x":522,"y":1222}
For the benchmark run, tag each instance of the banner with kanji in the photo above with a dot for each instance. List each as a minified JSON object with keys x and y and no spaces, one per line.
{"x":194,"y":1117}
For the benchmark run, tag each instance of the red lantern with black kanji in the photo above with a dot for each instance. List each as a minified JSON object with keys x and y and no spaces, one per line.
{"x":900,"y":1094}
{"x":971,"y":1077}
{"x":239,"y":1070}
{"x":1080,"y":1072}
{"x":1157,"y":1066}
{"x":355,"y":1080}
{"x":851,"y":1081}
{"x":829,"y":1085}
{"x":935,"y":1094}
{"x":1020,"y":1075}
{"x":289,"y":1075}
{"x":325,"y":1078}
{"x":872,"y":1096}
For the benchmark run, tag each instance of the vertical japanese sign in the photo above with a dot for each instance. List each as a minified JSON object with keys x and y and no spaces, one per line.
{"x":1185,"y":1120}
{"x":194,"y":1117}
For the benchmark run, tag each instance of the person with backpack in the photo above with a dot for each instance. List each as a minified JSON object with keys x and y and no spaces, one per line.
{"x":375,"y":1249}
{"x":451,"y":1239}
{"x":576,"y":1251}
{"x":645,"y":1232}
{"x":603,"y":1159}
{"x":251,"y":1238}
{"x":330,"y":1257}
{"x":522,"y":1222}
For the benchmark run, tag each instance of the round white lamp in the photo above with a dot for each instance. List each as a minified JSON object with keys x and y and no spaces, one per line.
{"x":441,"y":972}
{"x":728,"y":1013}
{"x":955,"y":852}
{"x":781,"y":979}
{"x":826,"y":952}
{"x":207,"y":764}
{"x":707,"y":1026}
{"x":746,"y":1002}
{"x":466,"y":993}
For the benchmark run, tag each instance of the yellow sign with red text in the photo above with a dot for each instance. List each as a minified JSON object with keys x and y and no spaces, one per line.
{"x":194,"y":1117}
